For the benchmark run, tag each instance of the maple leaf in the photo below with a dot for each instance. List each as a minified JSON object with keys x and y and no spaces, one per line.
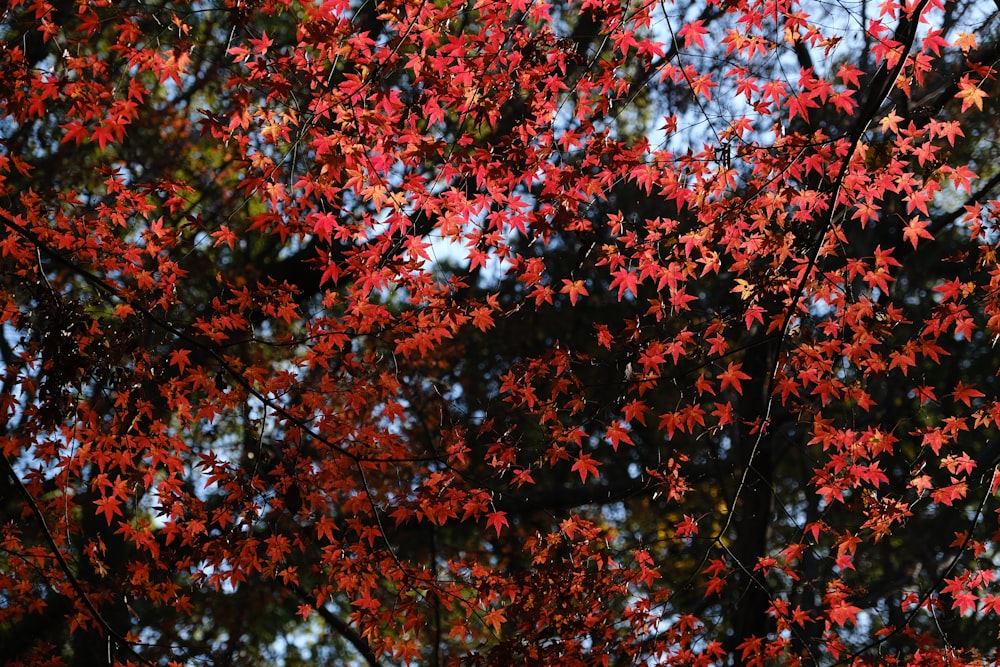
{"x":947,"y":495}
{"x":754,"y":313}
{"x":261,"y":44}
{"x":956,"y":464}
{"x":693,"y":34}
{"x":965,"y":601}
{"x":842,"y":613}
{"x":702,"y":86}
{"x":688,"y":527}
{"x":173,"y":67}
{"x":103,"y":134}
{"x":850,"y":74}
{"x":494,"y":618}
{"x":366,"y":602}
{"x":922,"y":483}
{"x":523,"y":476}
{"x":915,"y":230}
{"x":966,"y":41}
{"x":732,"y":377}
{"x":110,"y":507}
{"x":970,"y":93}
{"x":799,"y":105}
{"x":76,"y":132}
{"x":575,"y":289}
{"x":585,"y":465}
{"x":714,"y":586}
{"x":617,"y":433}
{"x":965,"y":393}
{"x":497,"y":521}
{"x":180,"y":358}
{"x":604,"y":337}
{"x":625,"y":281}
{"x":635,"y":410}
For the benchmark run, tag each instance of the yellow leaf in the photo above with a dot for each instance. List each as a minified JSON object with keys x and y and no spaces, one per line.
{"x":970,"y":94}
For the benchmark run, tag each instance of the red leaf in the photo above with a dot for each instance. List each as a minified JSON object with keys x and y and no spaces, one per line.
{"x":585,"y":465}
{"x":965,"y":393}
{"x":497,"y":521}
{"x":842,"y":613}
{"x":110,"y":507}
{"x":693,"y":33}
{"x":616,"y":434}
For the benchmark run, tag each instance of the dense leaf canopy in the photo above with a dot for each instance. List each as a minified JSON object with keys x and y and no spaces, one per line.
{"x":499,"y":332}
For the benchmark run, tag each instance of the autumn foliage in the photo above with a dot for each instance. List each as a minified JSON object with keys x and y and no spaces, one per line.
{"x":499,"y":332}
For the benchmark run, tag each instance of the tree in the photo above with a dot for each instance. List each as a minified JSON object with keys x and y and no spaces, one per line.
{"x":499,"y":333}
